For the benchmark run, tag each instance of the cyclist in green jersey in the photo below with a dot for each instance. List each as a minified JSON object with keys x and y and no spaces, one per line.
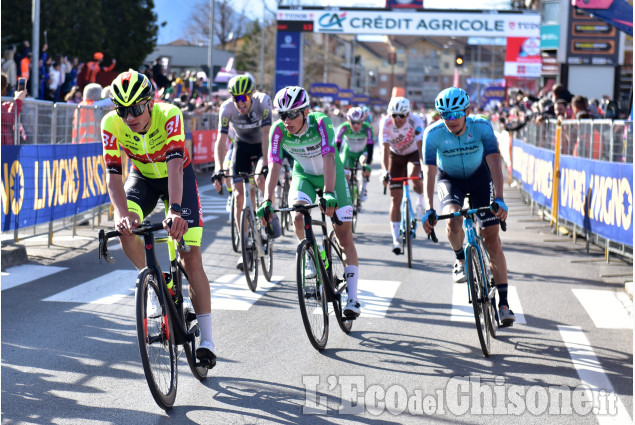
{"x":309,"y":139}
{"x":354,"y":140}
{"x":153,"y":137}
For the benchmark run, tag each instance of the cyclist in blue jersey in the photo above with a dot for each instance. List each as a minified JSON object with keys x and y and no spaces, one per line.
{"x":462,"y":153}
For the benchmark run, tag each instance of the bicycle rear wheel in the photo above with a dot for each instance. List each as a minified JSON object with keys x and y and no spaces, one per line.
{"x":408,"y":235}
{"x":267,"y":261}
{"x":191,"y":326}
{"x":338,"y":279}
{"x":249,"y":252}
{"x":235,"y":232}
{"x":156,"y":341}
{"x":312,"y":297}
{"x":479,"y":305}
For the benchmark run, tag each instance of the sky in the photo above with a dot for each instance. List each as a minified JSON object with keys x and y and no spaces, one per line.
{"x":177,"y":12}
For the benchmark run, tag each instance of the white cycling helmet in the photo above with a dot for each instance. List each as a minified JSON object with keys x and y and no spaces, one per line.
{"x":355,"y":114}
{"x":399,"y":105}
{"x":290,"y":98}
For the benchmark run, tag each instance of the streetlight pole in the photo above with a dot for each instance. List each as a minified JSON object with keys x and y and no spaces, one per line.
{"x":262,"y":48}
{"x":210,"y":49}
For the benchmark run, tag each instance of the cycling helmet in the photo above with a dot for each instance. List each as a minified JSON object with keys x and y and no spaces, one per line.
{"x":290,"y":98}
{"x":240,"y":84}
{"x":355,"y":114}
{"x":452,"y":99}
{"x":399,"y":105}
{"x":366,"y":111}
{"x":130,"y":87}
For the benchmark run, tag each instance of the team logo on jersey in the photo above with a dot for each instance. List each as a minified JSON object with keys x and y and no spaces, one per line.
{"x":109,"y":140}
{"x":173,"y":126}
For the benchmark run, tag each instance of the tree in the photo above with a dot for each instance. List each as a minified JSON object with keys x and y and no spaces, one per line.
{"x":228,"y":24}
{"x":124,"y":29}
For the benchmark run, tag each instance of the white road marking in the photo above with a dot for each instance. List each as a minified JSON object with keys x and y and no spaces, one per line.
{"x":230,"y":292}
{"x":593,"y":375}
{"x":375,"y":296}
{"x":106,"y":289}
{"x":605,"y":309}
{"x":18,"y":275}
{"x":462,"y":310}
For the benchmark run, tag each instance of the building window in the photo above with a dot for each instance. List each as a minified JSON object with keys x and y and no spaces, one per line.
{"x":383,"y":92}
{"x":383,"y":78}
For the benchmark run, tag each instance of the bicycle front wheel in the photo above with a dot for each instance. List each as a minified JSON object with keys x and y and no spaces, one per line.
{"x":155,"y":334}
{"x":267,"y":261}
{"x":408,"y":235}
{"x":312,"y":297}
{"x":249,"y":252}
{"x":235,"y":232}
{"x":340,"y":287}
{"x":479,"y":305}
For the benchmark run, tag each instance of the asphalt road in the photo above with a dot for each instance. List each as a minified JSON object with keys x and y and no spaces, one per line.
{"x":70,"y":355}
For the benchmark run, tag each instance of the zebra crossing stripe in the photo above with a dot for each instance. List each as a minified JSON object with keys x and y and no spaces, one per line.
{"x":110,"y":288}
{"x":605,"y":308}
{"x":18,"y":275}
{"x":462,"y":310}
{"x":593,"y":376}
{"x":375,"y":296}
{"x":230,"y":292}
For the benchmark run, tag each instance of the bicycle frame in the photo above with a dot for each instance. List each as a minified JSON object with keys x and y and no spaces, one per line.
{"x":248,"y":187}
{"x":406,"y":203}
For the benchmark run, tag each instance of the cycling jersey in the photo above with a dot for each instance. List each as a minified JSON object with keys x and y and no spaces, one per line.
{"x":247,"y":127}
{"x":149,"y":152}
{"x":459,"y":156}
{"x":402,"y":141}
{"x":354,"y":142}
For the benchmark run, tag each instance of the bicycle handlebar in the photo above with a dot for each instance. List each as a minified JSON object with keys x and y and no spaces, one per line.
{"x":306,"y":207}
{"x":402,"y":179}
{"x":144,"y":228}
{"x":464,"y":213}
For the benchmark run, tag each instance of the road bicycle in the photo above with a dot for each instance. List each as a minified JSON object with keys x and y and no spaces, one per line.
{"x":353,"y":184}
{"x":329,"y":283}
{"x":480,"y":282}
{"x":254,"y":244}
{"x":160,"y":335}
{"x":408,"y":224}
{"x":232,"y":222}
{"x":284,"y":185}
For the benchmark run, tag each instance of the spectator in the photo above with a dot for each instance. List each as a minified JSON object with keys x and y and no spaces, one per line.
{"x":579,"y":104}
{"x":23,"y":52}
{"x":70,"y":80}
{"x":560,"y":109}
{"x":105,"y":101}
{"x":560,"y":92}
{"x":54,"y":75}
{"x":94,"y":67}
{"x":74,"y":95}
{"x":85,"y":127}
{"x":594,"y":108}
{"x":158,"y":73}
{"x":9,"y":114}
{"x":609,"y":108}
{"x":10,"y":69}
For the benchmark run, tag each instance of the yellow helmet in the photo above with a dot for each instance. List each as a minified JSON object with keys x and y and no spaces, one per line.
{"x":240,"y":84}
{"x":130,"y":87}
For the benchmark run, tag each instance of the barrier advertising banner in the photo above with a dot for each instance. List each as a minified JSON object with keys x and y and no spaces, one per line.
{"x":41,"y":183}
{"x":534,"y":168}
{"x":522,"y":57}
{"x":598,"y":196}
{"x":203,"y":142}
{"x":288,"y":59}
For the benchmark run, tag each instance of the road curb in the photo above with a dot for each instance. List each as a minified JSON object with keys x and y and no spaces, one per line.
{"x":13,"y":255}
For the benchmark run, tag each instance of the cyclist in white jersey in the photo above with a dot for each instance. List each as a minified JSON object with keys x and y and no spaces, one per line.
{"x":249,"y":113}
{"x":400,"y":135}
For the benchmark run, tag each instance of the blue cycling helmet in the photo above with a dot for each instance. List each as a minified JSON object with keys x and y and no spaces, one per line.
{"x":452,"y":99}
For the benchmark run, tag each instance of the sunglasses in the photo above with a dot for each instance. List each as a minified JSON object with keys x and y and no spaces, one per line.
{"x":452,"y":115}
{"x":135,"y":110}
{"x":356,"y":122}
{"x":290,"y":115}
{"x":402,"y":116}
{"x":241,"y":98}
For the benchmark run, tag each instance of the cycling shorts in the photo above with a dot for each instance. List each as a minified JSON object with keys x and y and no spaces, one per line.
{"x":244,"y":159}
{"x":349,"y":159}
{"x":142,"y":195}
{"x":399,"y":166}
{"x":303,"y":189}
{"x":479,"y":187}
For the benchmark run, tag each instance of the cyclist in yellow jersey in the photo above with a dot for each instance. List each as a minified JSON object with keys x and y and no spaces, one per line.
{"x":153,"y":137}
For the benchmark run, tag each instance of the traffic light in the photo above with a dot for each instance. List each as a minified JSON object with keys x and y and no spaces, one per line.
{"x":459,"y":60}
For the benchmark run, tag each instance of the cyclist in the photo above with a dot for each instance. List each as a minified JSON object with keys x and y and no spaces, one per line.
{"x":400,"y":135}
{"x":309,"y":139}
{"x":354,"y":139}
{"x":462,"y":152}
{"x":249,"y":113}
{"x":153,"y":137}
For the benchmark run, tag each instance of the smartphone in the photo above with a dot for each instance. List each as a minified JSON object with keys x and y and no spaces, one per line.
{"x":21,"y":84}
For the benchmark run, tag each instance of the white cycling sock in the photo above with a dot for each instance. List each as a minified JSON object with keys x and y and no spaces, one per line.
{"x":351,"y":273}
{"x":205,"y":326}
{"x":395,"y":231}
{"x":364,"y":184}
{"x":421,"y":199}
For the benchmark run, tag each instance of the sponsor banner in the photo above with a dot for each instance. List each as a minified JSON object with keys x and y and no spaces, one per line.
{"x":598,"y":196}
{"x":361,"y":98}
{"x":550,"y":37}
{"x":296,"y":15}
{"x":203,"y":142}
{"x":533,"y":167}
{"x":590,"y":40}
{"x":41,"y":183}
{"x":456,"y":24}
{"x":324,"y":90}
{"x":288,"y":59}
{"x":404,"y":4}
{"x":346,"y":94}
{"x":522,"y":57}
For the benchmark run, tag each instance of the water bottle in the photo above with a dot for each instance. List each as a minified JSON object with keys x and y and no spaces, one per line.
{"x":170,"y":284}
{"x":323,"y":256}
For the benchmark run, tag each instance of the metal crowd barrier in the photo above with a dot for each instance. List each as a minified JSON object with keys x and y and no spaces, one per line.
{"x":603,"y":140}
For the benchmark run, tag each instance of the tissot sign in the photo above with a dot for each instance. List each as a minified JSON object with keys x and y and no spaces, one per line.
{"x":450,"y":23}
